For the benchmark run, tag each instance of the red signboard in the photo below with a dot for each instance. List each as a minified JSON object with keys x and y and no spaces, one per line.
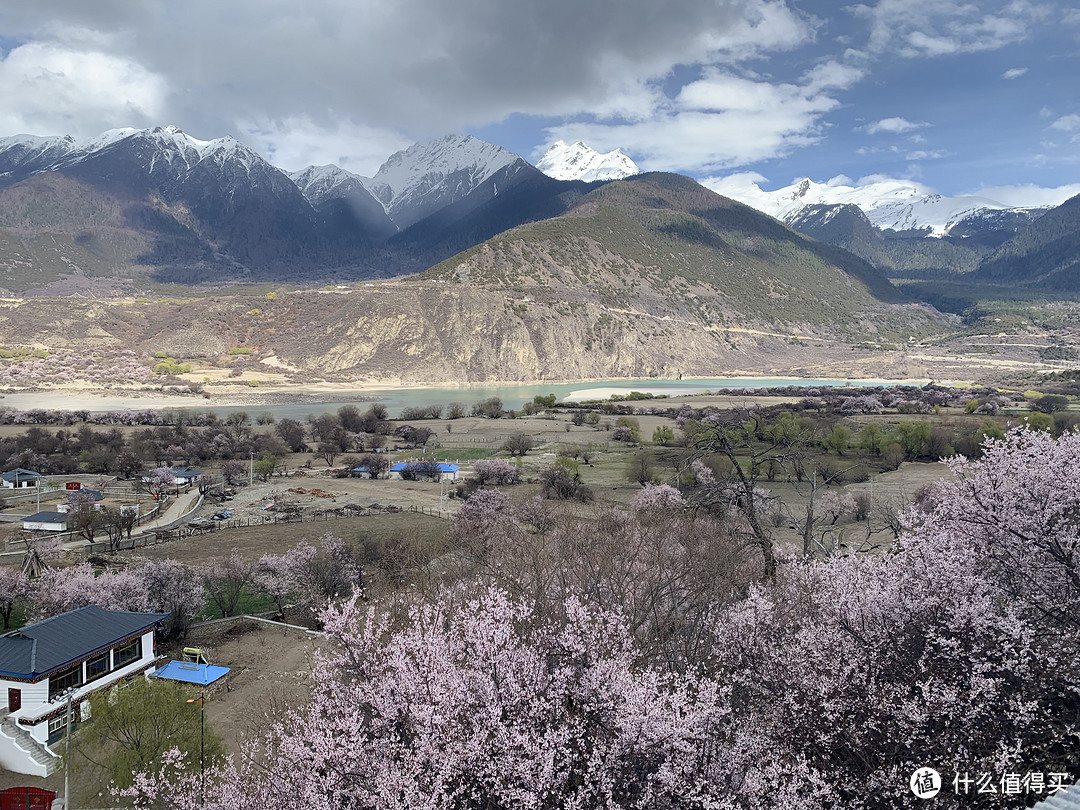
{"x":72,"y":485}
{"x":26,"y":798}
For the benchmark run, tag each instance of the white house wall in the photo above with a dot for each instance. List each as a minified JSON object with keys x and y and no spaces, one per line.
{"x":41,"y":526}
{"x":35,"y":696}
{"x":15,"y":758}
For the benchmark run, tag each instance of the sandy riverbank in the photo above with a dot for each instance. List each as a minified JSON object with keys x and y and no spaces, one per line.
{"x":334,"y":394}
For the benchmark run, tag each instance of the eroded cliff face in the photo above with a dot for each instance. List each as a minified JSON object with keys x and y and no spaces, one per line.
{"x":437,"y":332}
{"x":478,"y":336}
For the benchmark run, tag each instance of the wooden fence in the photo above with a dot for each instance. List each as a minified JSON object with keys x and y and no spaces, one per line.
{"x":177,"y":531}
{"x":274,"y":519}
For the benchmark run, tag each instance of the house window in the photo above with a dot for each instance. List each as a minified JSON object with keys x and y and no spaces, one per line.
{"x":62,"y":681}
{"x":127,"y":653}
{"x":57,"y":724}
{"x":96,"y":667}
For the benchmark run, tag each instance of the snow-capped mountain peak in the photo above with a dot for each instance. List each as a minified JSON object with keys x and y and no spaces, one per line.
{"x":579,"y":161}
{"x":899,"y":205}
{"x":162,"y":146}
{"x":454,"y":153}
{"x":320,"y":183}
{"x":427,"y":176}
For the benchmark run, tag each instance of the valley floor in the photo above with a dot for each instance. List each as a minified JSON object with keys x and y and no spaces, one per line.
{"x":986,"y":362}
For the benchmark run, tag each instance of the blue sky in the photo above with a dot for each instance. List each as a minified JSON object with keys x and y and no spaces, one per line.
{"x":961,"y":95}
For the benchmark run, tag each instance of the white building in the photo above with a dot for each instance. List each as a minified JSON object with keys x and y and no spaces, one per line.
{"x":80,"y":651}
{"x":45,"y":522}
{"x":19,"y":477}
{"x":186,"y":475}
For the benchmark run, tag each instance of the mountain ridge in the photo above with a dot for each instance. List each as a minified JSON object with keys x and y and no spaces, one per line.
{"x":157,"y":205}
{"x":193,"y":211}
{"x":888,"y":204}
{"x":664,"y":246}
{"x":578,"y":161}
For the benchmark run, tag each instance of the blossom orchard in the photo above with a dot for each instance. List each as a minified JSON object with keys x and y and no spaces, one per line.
{"x":828,"y":683}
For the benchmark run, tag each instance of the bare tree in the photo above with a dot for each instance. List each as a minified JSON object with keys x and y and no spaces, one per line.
{"x":328,"y":452}
{"x":82,"y":516}
{"x":749,"y":447}
{"x":519,"y":444}
{"x":117,"y":522}
{"x":374,"y":464}
{"x":233,"y":471}
{"x":225,"y":580}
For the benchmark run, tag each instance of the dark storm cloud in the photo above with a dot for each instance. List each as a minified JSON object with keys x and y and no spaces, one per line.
{"x":420,"y":66}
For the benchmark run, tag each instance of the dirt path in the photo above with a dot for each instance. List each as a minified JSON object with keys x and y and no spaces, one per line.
{"x":177,"y":509}
{"x":269,"y":672}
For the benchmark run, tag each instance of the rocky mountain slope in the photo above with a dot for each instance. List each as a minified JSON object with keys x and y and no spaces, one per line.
{"x":1019,"y":248}
{"x":650,"y":276}
{"x":415,"y":183}
{"x":903,"y":228}
{"x":430,"y":333}
{"x":344,"y":203}
{"x":157,"y":205}
{"x":184,"y":209}
{"x":665,"y":250}
{"x":907,"y":254}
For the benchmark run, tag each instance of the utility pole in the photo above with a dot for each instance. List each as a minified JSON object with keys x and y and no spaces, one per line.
{"x":201,"y":700}
{"x":251,"y":468}
{"x":67,"y":748}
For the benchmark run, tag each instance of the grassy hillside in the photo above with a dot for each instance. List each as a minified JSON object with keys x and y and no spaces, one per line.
{"x":663,"y":245}
{"x":1045,"y":255}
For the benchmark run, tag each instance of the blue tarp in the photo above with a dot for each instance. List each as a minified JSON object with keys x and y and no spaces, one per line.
{"x":201,"y":674}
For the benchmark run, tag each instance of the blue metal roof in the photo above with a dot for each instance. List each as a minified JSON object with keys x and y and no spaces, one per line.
{"x":185,"y":472}
{"x":201,"y":674}
{"x":403,"y":465}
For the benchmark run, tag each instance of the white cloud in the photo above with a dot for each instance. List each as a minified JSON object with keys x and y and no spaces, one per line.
{"x":742,"y":186}
{"x":717,"y":122}
{"x":760,"y":26}
{"x":422,"y":68}
{"x":831,"y":75}
{"x":894,"y":126}
{"x":1014,"y":73}
{"x":926,"y":154}
{"x":1028,"y":195}
{"x":297,"y":142}
{"x":928,"y":28}
{"x":1067,"y":123}
{"x":51,"y":90}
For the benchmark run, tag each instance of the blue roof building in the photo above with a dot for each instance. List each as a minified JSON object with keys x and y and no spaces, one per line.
{"x":446,"y":472}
